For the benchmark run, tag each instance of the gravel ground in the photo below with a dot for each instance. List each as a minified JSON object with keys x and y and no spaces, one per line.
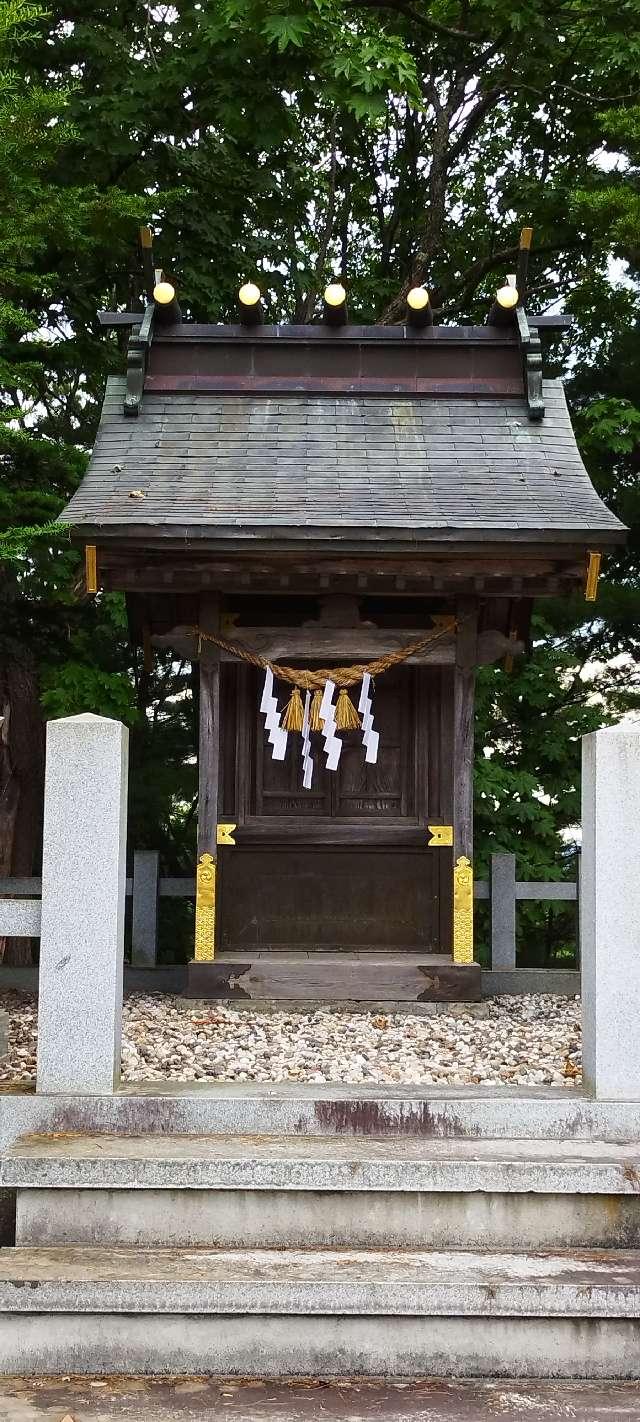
{"x":532,"y":1040}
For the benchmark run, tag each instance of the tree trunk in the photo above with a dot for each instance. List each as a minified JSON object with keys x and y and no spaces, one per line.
{"x":21,"y":783}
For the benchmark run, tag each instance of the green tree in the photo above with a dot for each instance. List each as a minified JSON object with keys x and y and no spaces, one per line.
{"x":46,"y":224}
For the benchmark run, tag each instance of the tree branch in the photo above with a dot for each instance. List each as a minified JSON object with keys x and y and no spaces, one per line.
{"x":327,"y":231}
{"x":400,"y":7}
{"x":472,"y":124}
{"x":464,"y":289}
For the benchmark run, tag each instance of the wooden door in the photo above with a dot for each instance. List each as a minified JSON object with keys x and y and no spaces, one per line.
{"x":344,"y":866}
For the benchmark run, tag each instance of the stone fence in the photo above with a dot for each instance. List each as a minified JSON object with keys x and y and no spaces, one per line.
{"x":81,"y":916}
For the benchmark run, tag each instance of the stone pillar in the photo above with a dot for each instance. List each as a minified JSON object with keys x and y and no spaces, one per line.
{"x":463,"y":739}
{"x":610,"y":913}
{"x":83,"y":896}
{"x":144,"y":918}
{"x":503,"y":911}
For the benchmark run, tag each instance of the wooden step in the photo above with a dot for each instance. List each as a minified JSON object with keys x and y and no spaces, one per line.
{"x":375,"y":977}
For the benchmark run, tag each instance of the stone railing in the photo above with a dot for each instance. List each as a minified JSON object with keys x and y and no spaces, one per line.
{"x":146,"y":887}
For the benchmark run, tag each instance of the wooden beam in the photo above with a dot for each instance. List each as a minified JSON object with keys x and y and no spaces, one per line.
{"x":383,"y":977}
{"x":306,"y":643}
{"x":277,"y":643}
{"x":526,"y":238}
{"x":463,"y":727}
{"x":209,"y":728}
{"x":427,"y":567}
{"x":208,"y":781}
{"x":184,"y":583}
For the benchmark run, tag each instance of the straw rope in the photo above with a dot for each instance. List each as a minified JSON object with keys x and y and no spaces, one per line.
{"x":309,"y":680}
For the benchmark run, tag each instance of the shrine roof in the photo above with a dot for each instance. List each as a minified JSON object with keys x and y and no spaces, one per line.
{"x":227,"y":464}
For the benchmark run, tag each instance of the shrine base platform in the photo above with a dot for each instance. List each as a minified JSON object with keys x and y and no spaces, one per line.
{"x":361,"y":978}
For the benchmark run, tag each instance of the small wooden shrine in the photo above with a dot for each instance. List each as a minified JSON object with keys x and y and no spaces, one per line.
{"x":340,"y":523}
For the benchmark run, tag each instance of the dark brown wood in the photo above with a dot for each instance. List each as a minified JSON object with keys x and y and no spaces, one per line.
{"x":333,"y":900}
{"x":325,"y":540}
{"x":521,"y":563}
{"x":390,"y":334}
{"x":333,"y":384}
{"x":210,"y":730}
{"x":318,"y":334}
{"x":346,"y":864}
{"x":184,"y":581}
{"x":463,"y":728}
{"x":278,"y":644}
{"x":22,"y":745}
{"x":318,"y":827}
{"x":362,"y":979}
{"x":426,"y":366}
{"x":431,"y":572}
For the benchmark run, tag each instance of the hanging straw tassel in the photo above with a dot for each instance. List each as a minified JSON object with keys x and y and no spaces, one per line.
{"x":315,"y":724}
{"x":293,"y":714}
{"x":347,"y":718}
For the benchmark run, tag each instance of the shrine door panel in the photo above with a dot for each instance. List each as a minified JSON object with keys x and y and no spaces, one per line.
{"x":346,"y":864}
{"x":330,"y":900}
{"x":355,"y":788}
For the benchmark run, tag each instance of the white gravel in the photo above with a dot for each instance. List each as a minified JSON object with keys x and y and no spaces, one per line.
{"x":532,"y":1040}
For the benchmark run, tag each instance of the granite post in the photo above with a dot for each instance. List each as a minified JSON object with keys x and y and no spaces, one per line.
{"x":610,"y":913}
{"x":144,"y":925}
{"x":83,"y":896}
{"x":503,"y":911}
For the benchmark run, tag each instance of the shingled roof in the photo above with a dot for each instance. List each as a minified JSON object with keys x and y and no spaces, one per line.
{"x":197,"y":463}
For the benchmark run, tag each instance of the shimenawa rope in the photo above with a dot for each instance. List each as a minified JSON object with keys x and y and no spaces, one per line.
{"x":310,"y":680}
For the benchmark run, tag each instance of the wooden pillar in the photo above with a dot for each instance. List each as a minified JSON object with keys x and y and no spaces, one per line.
{"x":208,"y":782}
{"x":463,"y":756}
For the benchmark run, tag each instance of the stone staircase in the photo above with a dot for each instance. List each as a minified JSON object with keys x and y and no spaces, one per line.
{"x":330,"y":1255}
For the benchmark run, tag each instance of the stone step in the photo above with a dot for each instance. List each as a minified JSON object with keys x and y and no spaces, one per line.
{"x":411,"y":1283}
{"x":321,"y":1313}
{"x":324,"y":1163}
{"x":312,"y":1219}
{"x":318,"y":1346}
{"x":288,"y":1109}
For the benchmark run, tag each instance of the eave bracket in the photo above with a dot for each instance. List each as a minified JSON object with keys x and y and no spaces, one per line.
{"x":531,"y":348}
{"x":137,"y":358}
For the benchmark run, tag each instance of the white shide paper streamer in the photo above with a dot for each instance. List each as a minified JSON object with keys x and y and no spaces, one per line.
{"x":307,"y":758}
{"x":269,"y":709}
{"x":327,"y":713}
{"x":370,"y":738}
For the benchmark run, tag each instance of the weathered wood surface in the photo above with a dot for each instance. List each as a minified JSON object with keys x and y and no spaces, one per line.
{"x":337,"y":899}
{"x":498,"y":572}
{"x":210,"y":731}
{"x":347,"y":864}
{"x":463,"y":727}
{"x":433,"y":559}
{"x":362,"y":979}
{"x":355,"y":643}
